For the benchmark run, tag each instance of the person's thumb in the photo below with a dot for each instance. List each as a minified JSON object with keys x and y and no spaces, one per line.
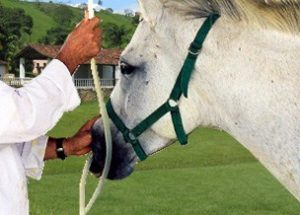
{"x":88,"y":125}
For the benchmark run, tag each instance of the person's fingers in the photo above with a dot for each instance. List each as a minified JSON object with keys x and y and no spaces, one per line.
{"x":78,"y":24}
{"x":95,"y":50}
{"x":77,"y":143}
{"x":94,"y":22}
{"x":68,"y":146}
{"x":86,"y":14}
{"x":88,"y":125}
{"x":97,"y":35}
{"x":95,"y":43}
{"x":84,"y":139}
{"x":97,"y":32}
{"x":84,"y":151}
{"x":84,"y":21}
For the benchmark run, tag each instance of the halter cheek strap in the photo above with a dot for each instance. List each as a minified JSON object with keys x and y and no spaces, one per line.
{"x":171,"y":105}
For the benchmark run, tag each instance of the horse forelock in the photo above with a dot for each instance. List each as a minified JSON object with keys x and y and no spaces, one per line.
{"x":283,"y":15}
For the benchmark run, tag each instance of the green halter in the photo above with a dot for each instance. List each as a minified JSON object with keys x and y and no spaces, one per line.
{"x":171,"y":105}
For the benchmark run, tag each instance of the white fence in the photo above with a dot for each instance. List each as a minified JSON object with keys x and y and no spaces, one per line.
{"x":16,"y":82}
{"x":79,"y":83}
{"x":89,"y":83}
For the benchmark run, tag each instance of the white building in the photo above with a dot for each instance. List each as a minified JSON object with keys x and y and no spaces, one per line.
{"x":3,"y":68}
{"x":39,"y":55}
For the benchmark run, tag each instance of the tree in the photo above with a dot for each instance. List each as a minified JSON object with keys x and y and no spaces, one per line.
{"x":136,"y":18}
{"x":13,"y":24}
{"x":61,"y":14}
{"x":55,"y":36}
{"x":110,"y":10}
{"x":129,"y":12}
{"x":100,"y":2}
{"x":115,"y":36}
{"x":83,"y":6}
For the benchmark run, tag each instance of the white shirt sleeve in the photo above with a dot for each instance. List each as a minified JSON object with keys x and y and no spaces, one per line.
{"x":31,"y":111}
{"x":32,"y":155}
{"x":28,"y":113}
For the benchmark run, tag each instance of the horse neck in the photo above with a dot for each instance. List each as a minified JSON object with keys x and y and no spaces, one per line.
{"x":237,"y":62}
{"x":247,"y":83}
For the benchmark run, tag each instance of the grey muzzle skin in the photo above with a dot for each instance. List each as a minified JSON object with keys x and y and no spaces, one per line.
{"x":123,"y":156}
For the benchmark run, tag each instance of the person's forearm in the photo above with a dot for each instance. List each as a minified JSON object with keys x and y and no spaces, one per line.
{"x":68,"y":60}
{"x":77,"y":145}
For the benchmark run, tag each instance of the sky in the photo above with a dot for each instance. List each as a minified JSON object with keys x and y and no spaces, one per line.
{"x":116,"y":5}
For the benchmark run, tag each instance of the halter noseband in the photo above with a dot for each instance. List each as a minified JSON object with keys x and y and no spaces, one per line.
{"x":171,"y":105}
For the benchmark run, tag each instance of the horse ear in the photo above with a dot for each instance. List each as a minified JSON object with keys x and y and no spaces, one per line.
{"x":149,"y":8}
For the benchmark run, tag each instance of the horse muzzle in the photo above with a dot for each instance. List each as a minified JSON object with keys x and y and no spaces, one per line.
{"x":123,"y":156}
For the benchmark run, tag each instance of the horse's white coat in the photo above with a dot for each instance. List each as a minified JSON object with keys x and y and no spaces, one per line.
{"x":247,"y":82}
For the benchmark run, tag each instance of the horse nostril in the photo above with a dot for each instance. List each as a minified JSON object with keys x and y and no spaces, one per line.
{"x":126,"y":69}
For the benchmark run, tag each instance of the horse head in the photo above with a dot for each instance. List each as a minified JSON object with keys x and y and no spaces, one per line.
{"x":150,"y":65}
{"x":244,"y":82}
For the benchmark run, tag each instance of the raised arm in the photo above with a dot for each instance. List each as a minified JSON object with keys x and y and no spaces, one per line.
{"x":31,"y":111}
{"x":81,"y":45}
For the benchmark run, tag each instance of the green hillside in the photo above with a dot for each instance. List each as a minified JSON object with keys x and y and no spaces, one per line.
{"x":43,"y":21}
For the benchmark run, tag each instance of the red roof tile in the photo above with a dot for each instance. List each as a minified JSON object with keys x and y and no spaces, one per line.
{"x":49,"y":51}
{"x":34,"y":51}
{"x":109,"y":56}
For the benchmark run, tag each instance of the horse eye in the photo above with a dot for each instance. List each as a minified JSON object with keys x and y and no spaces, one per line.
{"x":126,"y":69}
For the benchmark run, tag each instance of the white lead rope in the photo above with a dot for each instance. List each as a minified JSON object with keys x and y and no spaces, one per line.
{"x":83,"y":209}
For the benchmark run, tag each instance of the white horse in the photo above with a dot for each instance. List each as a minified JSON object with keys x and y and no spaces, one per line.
{"x":246,"y":80}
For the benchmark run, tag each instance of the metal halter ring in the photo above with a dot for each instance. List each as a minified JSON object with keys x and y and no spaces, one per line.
{"x":172,"y":103}
{"x":194,"y":53}
{"x":131,"y":136}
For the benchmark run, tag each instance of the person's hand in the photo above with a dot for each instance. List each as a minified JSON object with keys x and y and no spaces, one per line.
{"x":82,"y":44}
{"x":79,"y":144}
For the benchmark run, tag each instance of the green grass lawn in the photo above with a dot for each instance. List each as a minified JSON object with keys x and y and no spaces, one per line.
{"x":212,"y":175}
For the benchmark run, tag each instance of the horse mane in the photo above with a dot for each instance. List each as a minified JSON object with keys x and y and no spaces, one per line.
{"x":283,"y":15}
